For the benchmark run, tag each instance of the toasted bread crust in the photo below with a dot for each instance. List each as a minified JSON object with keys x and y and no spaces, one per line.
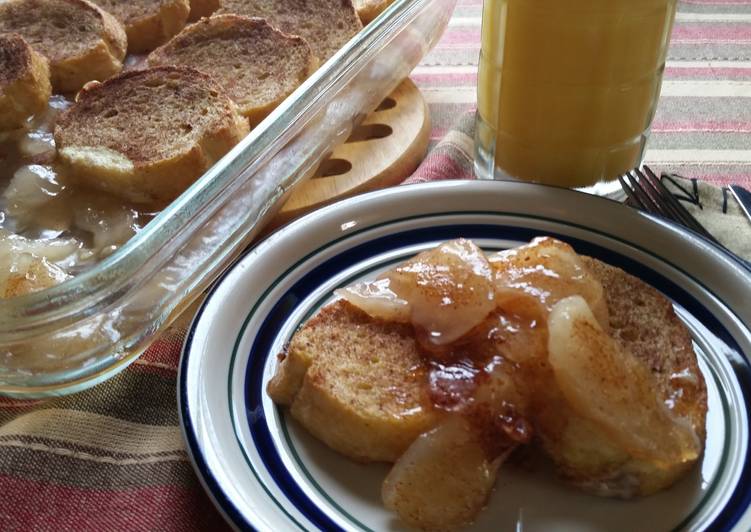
{"x":644,"y":323}
{"x":257,"y":65}
{"x":367,"y":10}
{"x":148,"y":23}
{"x":326,"y":24}
{"x":202,"y":8}
{"x":146,"y":135}
{"x":81,"y":41}
{"x":24,"y":82}
{"x":356,"y":383}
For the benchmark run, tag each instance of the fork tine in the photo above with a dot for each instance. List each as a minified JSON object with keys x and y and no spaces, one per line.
{"x":630,"y":193}
{"x":667,"y":209}
{"x":679,"y":212}
{"x":676,"y":207}
{"x":646,"y":198}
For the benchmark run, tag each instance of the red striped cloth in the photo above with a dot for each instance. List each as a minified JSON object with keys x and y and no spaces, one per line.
{"x":113,"y":458}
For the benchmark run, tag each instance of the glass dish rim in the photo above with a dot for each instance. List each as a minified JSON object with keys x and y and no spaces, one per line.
{"x":81,"y":293}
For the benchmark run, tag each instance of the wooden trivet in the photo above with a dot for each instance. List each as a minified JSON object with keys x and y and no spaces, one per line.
{"x":383,"y":150}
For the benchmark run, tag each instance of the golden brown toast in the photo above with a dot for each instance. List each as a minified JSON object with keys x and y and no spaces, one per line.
{"x":24,"y":82}
{"x":326,"y":24}
{"x":202,"y":8}
{"x":81,"y":41}
{"x":345,"y":366}
{"x":148,"y":23}
{"x":258,"y":66}
{"x":644,"y":322}
{"x":355,"y":383}
{"x":367,"y":10}
{"x":146,"y":135}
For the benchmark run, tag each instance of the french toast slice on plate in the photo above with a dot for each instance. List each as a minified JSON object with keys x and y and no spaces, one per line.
{"x":257,"y":65}
{"x":81,"y":41}
{"x":355,"y":383}
{"x":24,"y":82}
{"x":644,"y":322}
{"x":326,"y":24}
{"x":148,"y":23}
{"x":146,"y":135}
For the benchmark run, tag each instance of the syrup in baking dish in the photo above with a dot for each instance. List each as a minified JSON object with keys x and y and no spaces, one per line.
{"x":50,"y":229}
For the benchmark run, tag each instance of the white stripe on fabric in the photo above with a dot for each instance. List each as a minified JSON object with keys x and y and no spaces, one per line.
{"x":70,"y":453}
{"x":95,"y":430}
{"x":713,"y":157}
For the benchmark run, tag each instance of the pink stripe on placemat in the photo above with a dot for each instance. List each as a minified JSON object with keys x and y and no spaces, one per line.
{"x":741,"y":72}
{"x":461,"y":37}
{"x":743,"y":180}
{"x":714,"y":32}
{"x":438,"y":133}
{"x":682,"y":33}
{"x":708,"y":126}
{"x":442,"y":79}
{"x":66,"y":508}
{"x":440,"y":167}
{"x":445,"y":78}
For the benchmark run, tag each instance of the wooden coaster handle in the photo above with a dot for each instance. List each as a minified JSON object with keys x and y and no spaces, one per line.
{"x":382,"y":151}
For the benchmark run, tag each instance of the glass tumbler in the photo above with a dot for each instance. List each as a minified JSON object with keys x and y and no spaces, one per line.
{"x":567,"y":89}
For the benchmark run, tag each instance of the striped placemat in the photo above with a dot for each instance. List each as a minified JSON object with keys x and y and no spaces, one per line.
{"x":112,"y":458}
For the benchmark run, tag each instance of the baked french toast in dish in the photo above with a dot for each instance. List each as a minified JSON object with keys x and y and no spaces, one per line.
{"x":449,"y":362}
{"x":112,"y":109}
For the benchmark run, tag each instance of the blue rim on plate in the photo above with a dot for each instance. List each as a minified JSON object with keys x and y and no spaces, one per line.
{"x":259,"y":469}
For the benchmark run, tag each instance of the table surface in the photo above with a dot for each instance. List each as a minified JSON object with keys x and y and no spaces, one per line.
{"x":113,"y":458}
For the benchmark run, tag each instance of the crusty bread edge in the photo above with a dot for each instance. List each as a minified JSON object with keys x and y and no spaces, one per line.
{"x":28,"y":94}
{"x":146,"y":33}
{"x":103,"y":61}
{"x":89,"y":164}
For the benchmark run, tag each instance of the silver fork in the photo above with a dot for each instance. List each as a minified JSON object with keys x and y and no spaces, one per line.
{"x":646,"y":192}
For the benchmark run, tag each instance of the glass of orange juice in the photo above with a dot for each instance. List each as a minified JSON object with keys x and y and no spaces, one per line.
{"x":567,"y":88}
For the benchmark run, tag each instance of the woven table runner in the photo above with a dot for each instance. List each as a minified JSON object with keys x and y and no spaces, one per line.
{"x":112,"y":457}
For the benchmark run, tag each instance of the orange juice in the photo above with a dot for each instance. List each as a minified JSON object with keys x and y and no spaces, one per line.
{"x":567,"y":88}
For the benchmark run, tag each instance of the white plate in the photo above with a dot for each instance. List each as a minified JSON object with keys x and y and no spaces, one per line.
{"x":263,"y":471}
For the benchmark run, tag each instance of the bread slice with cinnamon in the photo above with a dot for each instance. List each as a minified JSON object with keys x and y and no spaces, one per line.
{"x":81,"y":41}
{"x":326,"y":24}
{"x":148,"y":23}
{"x":24,"y":82}
{"x":258,"y":66}
{"x":644,"y":323}
{"x":356,"y":383}
{"x":146,"y":135}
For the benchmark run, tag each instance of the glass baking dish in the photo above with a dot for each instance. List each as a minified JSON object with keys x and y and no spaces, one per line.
{"x":74,"y":335}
